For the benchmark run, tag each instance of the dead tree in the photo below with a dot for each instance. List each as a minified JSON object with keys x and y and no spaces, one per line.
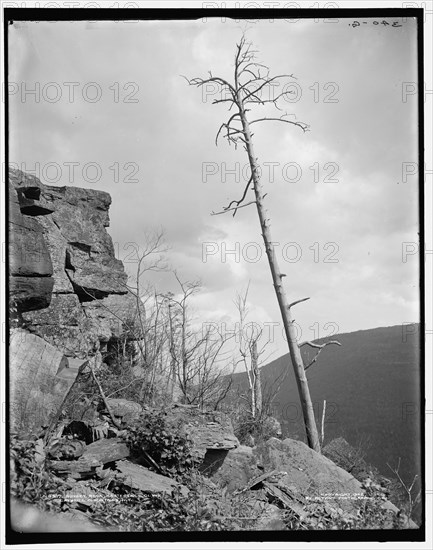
{"x":198,"y":359}
{"x":245,"y":92}
{"x":249,"y":355}
{"x":258,"y":402}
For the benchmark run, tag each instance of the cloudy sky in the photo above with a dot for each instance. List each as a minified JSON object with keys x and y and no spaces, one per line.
{"x":110,"y":111}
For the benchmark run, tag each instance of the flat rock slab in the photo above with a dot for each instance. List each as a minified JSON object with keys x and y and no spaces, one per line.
{"x":212,"y":435}
{"x":105,"y":450}
{"x":139,"y":477}
{"x":208,"y":430}
{"x":76,"y":469}
{"x":36,"y":390}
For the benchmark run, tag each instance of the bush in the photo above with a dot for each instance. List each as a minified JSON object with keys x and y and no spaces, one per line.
{"x":260,"y":428}
{"x":151,"y":435}
{"x":30,"y":480}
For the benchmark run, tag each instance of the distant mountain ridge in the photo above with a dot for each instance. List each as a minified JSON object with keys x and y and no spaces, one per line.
{"x":372,"y":386}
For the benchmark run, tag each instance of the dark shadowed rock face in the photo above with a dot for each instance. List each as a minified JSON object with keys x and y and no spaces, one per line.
{"x":65,"y":279}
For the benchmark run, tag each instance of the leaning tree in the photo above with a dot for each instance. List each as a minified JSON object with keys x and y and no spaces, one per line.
{"x":243,"y":94}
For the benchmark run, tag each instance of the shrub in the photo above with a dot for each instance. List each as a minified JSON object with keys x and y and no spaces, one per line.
{"x":151,"y":435}
{"x":30,"y":480}
{"x":260,"y":428}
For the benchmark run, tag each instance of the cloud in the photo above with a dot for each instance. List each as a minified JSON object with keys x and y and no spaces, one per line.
{"x":344,"y":191}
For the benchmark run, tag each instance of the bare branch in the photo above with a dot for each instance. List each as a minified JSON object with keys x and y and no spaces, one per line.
{"x":266,"y":82}
{"x":242,"y":198}
{"x":319,"y":347}
{"x":235,"y":208}
{"x":297,"y":301}
{"x":304,"y":127}
{"x":225,"y":125}
{"x":199,"y":82}
{"x":215,"y":101}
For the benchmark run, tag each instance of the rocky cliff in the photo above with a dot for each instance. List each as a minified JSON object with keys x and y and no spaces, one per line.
{"x":66,"y":286}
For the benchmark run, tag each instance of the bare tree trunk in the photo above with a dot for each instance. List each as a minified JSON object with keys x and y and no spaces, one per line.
{"x":250,"y":79}
{"x":257,"y":388}
{"x":277,"y":276}
{"x":323,"y":422}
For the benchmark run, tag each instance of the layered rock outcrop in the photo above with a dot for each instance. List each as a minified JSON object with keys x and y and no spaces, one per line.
{"x":65,"y":279}
{"x":66,"y":285}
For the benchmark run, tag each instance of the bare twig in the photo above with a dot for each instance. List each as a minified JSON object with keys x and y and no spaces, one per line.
{"x":150,"y":459}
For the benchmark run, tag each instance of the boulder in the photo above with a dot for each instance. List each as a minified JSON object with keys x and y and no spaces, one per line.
{"x":305,"y":477}
{"x":312,"y":475}
{"x":232,"y":469}
{"x":209,"y":430}
{"x":89,"y":277}
{"x":139,"y":477}
{"x":126,"y":411}
{"x":36,"y":390}
{"x":67,"y":449}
